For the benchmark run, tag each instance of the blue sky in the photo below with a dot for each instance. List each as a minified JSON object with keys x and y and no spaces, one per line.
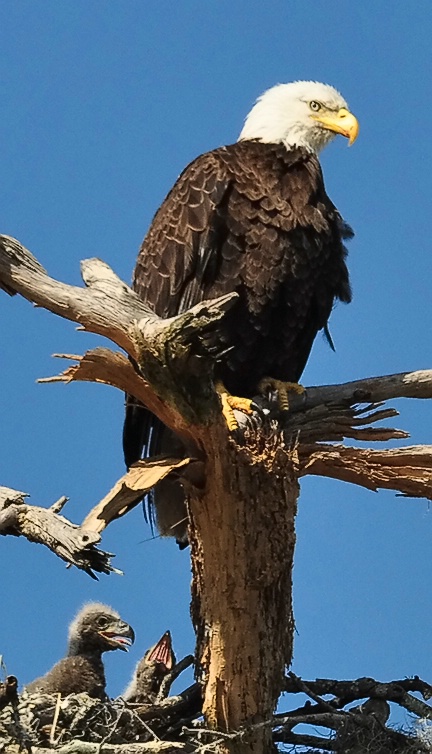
{"x":103,"y":104}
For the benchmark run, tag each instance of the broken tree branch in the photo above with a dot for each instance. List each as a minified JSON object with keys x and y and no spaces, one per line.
{"x":407,"y":470}
{"x":416,"y":384}
{"x":345,"y":692}
{"x":70,"y":542}
{"x":129,"y":490}
{"x":165,"y":349}
{"x":169,"y":679}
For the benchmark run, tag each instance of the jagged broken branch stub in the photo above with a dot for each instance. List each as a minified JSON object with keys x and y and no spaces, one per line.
{"x":407,"y":470}
{"x":109,"y":307}
{"x":73,"y":544}
{"x":185,"y":345}
{"x":77,"y":544}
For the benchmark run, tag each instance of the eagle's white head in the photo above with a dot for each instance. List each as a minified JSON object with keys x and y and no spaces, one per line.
{"x":302,"y":114}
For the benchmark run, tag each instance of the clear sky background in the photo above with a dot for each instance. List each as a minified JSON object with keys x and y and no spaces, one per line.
{"x":102,"y":105}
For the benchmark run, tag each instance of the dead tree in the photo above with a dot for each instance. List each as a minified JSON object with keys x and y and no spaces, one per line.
{"x":241,"y":489}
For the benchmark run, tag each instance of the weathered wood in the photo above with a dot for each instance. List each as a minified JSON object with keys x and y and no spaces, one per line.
{"x":170,"y":677}
{"x":321,"y":414}
{"x":129,"y":490}
{"x":416,"y":384}
{"x":44,"y":526}
{"x":345,"y":692}
{"x":44,"y":720}
{"x":84,"y":747}
{"x":170,"y":352}
{"x":242,"y":546}
{"x":407,"y":470}
{"x":46,"y":723}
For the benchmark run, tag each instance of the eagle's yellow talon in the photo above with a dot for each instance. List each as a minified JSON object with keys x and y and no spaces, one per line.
{"x":231,"y":403}
{"x":282,"y":389}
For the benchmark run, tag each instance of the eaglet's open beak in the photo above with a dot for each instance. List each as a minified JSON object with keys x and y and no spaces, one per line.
{"x":343,"y":122}
{"x":162,"y":653}
{"x":120,"y":635}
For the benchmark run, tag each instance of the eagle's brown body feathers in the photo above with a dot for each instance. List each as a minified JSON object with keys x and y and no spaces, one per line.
{"x":253,"y":218}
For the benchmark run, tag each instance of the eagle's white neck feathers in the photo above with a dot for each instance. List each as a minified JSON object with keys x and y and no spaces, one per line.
{"x":282,"y":115}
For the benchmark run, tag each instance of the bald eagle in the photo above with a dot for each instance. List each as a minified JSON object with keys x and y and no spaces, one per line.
{"x":96,"y":629}
{"x":252,"y":217}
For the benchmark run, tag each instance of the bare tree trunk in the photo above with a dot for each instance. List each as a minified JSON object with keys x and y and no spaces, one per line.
{"x":242,"y":556}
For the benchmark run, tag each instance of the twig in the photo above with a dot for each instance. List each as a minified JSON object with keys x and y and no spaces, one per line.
{"x":309,"y":692}
{"x":55,"y":720}
{"x":58,"y":506}
{"x":169,"y":679}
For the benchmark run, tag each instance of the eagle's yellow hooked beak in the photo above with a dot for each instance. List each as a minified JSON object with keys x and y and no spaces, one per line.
{"x":343,"y":122}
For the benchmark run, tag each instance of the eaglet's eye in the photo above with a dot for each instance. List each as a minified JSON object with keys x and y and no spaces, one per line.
{"x":315,"y":106}
{"x":102,"y":621}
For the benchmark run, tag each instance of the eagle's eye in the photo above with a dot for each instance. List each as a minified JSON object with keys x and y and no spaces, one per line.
{"x":102,"y":621}
{"x":315,"y":106}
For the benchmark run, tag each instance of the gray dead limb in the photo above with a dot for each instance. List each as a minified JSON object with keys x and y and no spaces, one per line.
{"x":345,"y":692}
{"x":77,"y":544}
{"x":406,"y":470}
{"x":73,"y":544}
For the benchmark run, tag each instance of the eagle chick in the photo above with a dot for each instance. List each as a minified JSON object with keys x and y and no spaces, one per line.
{"x":157,"y":662}
{"x":96,"y":629}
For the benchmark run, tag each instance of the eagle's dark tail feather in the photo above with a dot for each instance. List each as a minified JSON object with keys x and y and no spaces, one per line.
{"x":328,"y":337}
{"x":138,"y":432}
{"x":145,"y":436}
{"x":135,"y":430}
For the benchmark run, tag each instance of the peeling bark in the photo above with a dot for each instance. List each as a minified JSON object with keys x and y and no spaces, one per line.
{"x":129,"y":490}
{"x":242,"y":548}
